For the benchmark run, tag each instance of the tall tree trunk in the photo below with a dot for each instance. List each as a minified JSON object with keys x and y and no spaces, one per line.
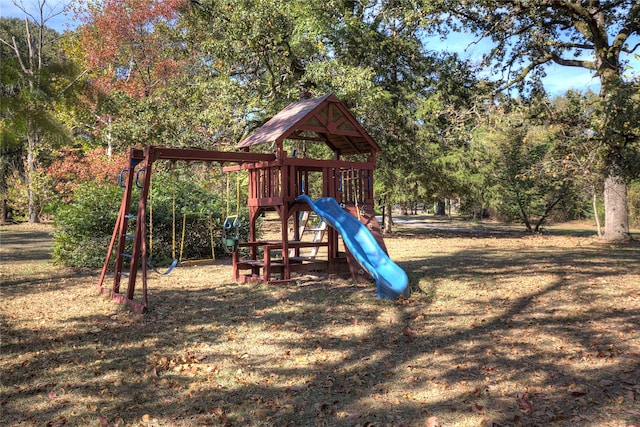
{"x":616,"y":214}
{"x":4,"y":212}
{"x":4,"y":197}
{"x":388,"y":219}
{"x":616,"y":208}
{"x":30,"y":171}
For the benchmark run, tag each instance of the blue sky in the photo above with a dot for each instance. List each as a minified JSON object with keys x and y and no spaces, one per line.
{"x":559,"y":79}
{"x":60,"y":22}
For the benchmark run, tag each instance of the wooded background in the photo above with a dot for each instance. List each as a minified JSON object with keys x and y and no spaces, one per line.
{"x":205,"y":74}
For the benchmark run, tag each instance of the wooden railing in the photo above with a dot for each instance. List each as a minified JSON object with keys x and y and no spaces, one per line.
{"x":278,"y":182}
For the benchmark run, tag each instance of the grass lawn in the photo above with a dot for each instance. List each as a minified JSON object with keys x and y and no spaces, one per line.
{"x":502,"y":329}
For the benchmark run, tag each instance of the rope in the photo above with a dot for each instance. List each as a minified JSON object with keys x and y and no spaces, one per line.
{"x":150,"y":216}
{"x":184,"y":228}
{"x":237,"y":194}
{"x":231,"y":242}
{"x":173,"y":221}
{"x":213,"y":252}
{"x":226,"y":214}
{"x":173,"y":226}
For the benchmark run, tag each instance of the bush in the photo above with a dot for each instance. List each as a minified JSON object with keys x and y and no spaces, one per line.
{"x":203,"y":211}
{"x":84,"y":227}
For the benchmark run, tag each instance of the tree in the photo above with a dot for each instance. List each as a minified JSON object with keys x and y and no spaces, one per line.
{"x":378,"y":45}
{"x":367,"y":53}
{"x":572,"y":117}
{"x":129,"y":45}
{"x":237,"y":63}
{"x":591,"y":34}
{"x":453,"y":164}
{"x":527,"y":162}
{"x":132,"y":56}
{"x":37,"y":79}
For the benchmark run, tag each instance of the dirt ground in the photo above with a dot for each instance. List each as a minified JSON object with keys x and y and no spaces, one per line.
{"x":502,"y":329}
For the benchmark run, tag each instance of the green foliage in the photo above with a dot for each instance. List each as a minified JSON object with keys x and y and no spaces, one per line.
{"x":534,"y":169}
{"x":83,"y":228}
{"x":528,"y":36}
{"x":205,"y":74}
{"x":37,"y":81}
{"x":634,"y":203}
{"x":203,"y":203}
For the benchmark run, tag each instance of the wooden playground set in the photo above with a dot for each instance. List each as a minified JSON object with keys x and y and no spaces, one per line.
{"x":275,"y":183}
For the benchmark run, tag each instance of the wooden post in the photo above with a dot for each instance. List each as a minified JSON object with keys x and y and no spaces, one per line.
{"x":122,"y":229}
{"x":139,"y":253}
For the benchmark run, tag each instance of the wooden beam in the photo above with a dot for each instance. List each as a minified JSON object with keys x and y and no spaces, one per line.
{"x":191,"y":155}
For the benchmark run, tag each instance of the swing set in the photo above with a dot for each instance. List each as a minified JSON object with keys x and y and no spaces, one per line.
{"x":139,"y":175}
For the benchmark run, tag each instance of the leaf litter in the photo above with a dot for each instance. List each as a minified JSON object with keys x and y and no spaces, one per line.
{"x":510,"y":331}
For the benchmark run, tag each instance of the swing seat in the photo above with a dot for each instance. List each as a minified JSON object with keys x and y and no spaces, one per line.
{"x":173,"y":265}
{"x":231,"y":244}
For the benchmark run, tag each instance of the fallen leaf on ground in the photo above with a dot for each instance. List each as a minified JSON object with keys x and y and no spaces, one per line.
{"x":432,"y":422}
{"x":523,"y":403}
{"x":56,"y":422}
{"x":478,"y":408}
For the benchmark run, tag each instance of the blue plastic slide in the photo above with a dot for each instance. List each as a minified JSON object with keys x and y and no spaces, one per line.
{"x":391,"y":280}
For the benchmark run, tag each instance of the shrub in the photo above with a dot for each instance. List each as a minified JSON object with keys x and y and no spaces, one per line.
{"x":203,"y":211}
{"x":83,"y":228}
{"x":71,"y":168}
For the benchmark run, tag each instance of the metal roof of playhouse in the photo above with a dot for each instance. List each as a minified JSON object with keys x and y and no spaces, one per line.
{"x":323,"y":119}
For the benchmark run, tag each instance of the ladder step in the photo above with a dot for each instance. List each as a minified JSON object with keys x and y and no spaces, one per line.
{"x":127,"y":255}
{"x":129,"y":235}
{"x":128,"y":216}
{"x":123,"y":274}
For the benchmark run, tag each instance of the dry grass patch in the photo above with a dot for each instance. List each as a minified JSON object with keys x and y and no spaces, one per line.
{"x":509,"y":330}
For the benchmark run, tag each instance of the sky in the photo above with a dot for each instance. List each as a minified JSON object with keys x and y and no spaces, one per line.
{"x":59,"y":22}
{"x":559,"y":78}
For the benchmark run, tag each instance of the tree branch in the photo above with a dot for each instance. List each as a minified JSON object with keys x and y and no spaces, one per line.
{"x":590,"y":65}
{"x":526,"y":70}
{"x":632,"y":49}
{"x":29,"y":43}
{"x":14,"y":47}
{"x":78,"y":77}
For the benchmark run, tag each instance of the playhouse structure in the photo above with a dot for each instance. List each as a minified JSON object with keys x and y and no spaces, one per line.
{"x":285,"y":181}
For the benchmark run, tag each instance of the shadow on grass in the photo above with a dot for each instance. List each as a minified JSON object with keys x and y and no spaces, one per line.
{"x":14,"y":248}
{"x":328,"y":353}
{"x":239,"y":359}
